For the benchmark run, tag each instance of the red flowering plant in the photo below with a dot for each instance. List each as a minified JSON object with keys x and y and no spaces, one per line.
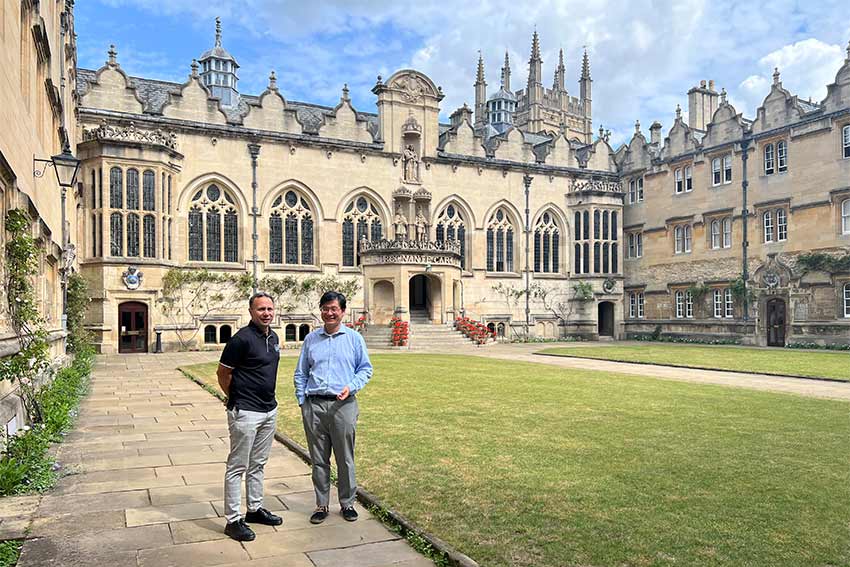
{"x":400,"y":332}
{"x":393,"y":321}
{"x":474,"y":330}
{"x":359,"y":325}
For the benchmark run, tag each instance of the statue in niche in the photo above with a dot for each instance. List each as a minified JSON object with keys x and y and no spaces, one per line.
{"x":400,"y":222}
{"x":411,"y":164}
{"x":421,"y":233}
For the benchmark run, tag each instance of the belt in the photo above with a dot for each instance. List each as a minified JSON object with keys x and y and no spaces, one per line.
{"x":326,"y":397}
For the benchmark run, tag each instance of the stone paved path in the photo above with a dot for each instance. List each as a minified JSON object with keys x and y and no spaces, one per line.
{"x":148,"y":459}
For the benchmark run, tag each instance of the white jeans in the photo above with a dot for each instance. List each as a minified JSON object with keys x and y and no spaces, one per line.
{"x":251,"y":437}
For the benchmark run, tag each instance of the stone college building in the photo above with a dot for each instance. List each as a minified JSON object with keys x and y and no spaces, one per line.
{"x":433,"y":220}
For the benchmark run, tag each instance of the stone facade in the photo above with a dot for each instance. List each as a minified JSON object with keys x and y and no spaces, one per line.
{"x":684,"y":206}
{"x":38,"y":58}
{"x":330,"y":177}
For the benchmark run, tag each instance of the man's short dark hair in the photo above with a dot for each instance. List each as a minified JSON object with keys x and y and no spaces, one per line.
{"x":329,"y":296}
{"x":256,"y":295}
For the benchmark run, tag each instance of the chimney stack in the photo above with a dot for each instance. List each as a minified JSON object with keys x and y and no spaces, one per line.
{"x":702,"y":103}
{"x":655,"y":134}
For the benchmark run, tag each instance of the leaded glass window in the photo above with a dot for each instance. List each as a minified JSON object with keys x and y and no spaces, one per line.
{"x":116,"y":188}
{"x":782,"y":156}
{"x":596,"y":258}
{"x":132,"y":234}
{"x":116,"y":234}
{"x":148,"y":191}
{"x":213,"y":233}
{"x":501,"y":234}
{"x":347,"y":242}
{"x":577,"y":253}
{"x":149,"y":236}
{"x":210,"y":239}
{"x":781,"y":225}
{"x":451,"y":225}
{"x":291,"y":237}
{"x":546,"y":245}
{"x":363,"y":214}
{"x":585,"y":253}
{"x":291,"y":230}
{"x":133,"y":189}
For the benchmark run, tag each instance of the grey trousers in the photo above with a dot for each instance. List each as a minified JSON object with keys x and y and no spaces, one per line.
{"x":251,"y":437}
{"x":330,"y":424}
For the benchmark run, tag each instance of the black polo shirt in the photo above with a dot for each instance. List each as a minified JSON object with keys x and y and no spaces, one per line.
{"x":254,"y":357}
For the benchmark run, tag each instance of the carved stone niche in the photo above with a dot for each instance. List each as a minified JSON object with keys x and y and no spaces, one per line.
{"x":411,"y":150}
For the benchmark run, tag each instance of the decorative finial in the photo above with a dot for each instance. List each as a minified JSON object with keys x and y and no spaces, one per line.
{"x":601,"y":131}
{"x":112,"y":56}
{"x":848,"y":52}
{"x":194,"y":68}
{"x":379,"y":79}
{"x":561,"y":59}
{"x":535,"y":45}
{"x":585,"y":65}
{"x":723,"y":96}
{"x":345,"y":92}
{"x":776,"y":75}
{"x":678,"y":112}
{"x":637,"y":126}
{"x":479,"y":77}
{"x":217,"y":31}
{"x":272,"y":81}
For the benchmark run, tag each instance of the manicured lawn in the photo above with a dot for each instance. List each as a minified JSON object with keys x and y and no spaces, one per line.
{"x":834,"y":365}
{"x":519,"y":464}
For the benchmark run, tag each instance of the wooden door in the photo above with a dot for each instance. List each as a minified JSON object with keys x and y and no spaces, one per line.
{"x":776,"y":322}
{"x":132,"y":327}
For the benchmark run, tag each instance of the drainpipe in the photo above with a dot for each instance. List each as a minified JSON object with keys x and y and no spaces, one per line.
{"x":526,"y":180}
{"x":254,"y":149}
{"x":745,"y":145}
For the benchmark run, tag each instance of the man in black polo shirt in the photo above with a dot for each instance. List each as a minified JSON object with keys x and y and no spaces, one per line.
{"x":247,"y":373}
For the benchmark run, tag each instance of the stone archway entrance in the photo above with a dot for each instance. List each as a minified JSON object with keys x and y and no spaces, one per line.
{"x":605,"y":319}
{"x":776,"y":318}
{"x":132,"y":327}
{"x":420,"y":296}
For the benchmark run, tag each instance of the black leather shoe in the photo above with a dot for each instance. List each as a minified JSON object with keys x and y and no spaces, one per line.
{"x":320,"y":515}
{"x":350,"y":514}
{"x":239,"y":531}
{"x":263,"y":516}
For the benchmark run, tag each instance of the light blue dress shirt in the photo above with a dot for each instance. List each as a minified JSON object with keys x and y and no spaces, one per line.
{"x":329,"y":363}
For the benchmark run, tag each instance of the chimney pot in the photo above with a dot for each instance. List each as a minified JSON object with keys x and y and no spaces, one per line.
{"x":702,"y":84}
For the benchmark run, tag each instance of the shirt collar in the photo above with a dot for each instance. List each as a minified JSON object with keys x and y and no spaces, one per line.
{"x":343,"y":328}
{"x":258,"y":330}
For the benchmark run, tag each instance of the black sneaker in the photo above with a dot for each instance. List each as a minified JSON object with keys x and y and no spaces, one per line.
{"x":350,"y":514}
{"x":320,"y":515}
{"x":263,"y":516}
{"x":239,"y":531}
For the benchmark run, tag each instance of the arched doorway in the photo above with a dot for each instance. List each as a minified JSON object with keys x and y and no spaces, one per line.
{"x":132,"y":327}
{"x":605,"y":319}
{"x":420,"y":296}
{"x":776,"y":322}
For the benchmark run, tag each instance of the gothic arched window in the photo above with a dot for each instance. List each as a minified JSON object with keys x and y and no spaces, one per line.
{"x":547,"y":244}
{"x":210,"y":239}
{"x":291,"y":230}
{"x":363,"y":214}
{"x":452,"y":226}
{"x":500,"y":242}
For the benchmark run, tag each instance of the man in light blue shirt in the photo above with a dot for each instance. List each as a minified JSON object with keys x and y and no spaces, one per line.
{"x":334,"y":365}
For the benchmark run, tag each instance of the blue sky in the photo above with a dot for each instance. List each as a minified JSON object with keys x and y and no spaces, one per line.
{"x":644,"y":54}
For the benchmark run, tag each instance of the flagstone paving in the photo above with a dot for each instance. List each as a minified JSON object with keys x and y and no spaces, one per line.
{"x":144,"y":475}
{"x":143,"y":486}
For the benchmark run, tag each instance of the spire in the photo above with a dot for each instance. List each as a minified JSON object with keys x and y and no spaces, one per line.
{"x":217,"y":31}
{"x":535,"y":63}
{"x":506,"y":73}
{"x":479,"y":78}
{"x":585,"y":66}
{"x":776,"y":75}
{"x":535,"y":46}
{"x":480,"y":94}
{"x":560,"y":72}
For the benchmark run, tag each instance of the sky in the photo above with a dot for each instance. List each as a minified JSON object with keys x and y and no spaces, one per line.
{"x":644,"y":54}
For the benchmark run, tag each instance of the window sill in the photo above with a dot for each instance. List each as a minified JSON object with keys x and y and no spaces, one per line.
{"x":502,"y":275}
{"x":549,"y":275}
{"x":291,"y":268}
{"x":217,"y":265}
